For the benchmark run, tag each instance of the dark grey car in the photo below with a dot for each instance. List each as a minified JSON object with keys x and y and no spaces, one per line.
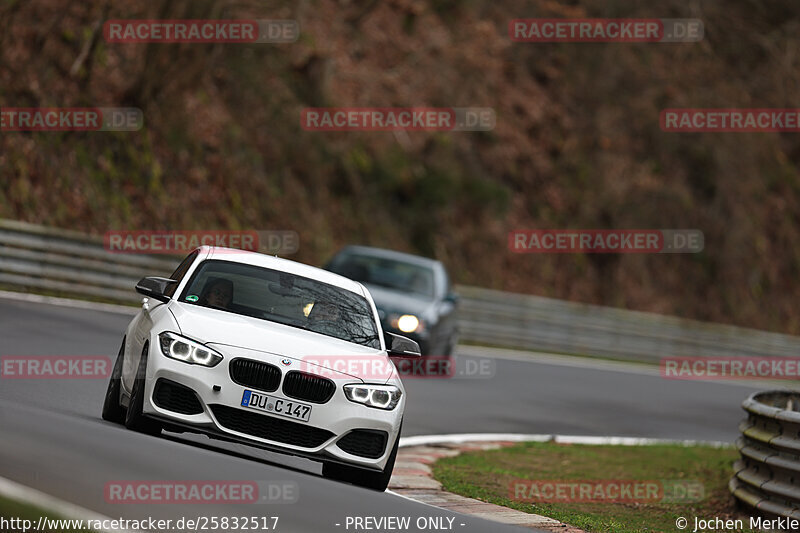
{"x":413,"y":294}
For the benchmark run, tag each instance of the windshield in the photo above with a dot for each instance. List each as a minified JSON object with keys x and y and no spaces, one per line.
{"x":283,"y":298}
{"x":399,"y":275}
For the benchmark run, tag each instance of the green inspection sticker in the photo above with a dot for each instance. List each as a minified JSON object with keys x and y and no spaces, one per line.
{"x":192,"y":298}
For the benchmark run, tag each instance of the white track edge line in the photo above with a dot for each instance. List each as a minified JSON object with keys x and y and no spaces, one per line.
{"x":67,"y":302}
{"x":461,"y":438}
{"x":47,"y":503}
{"x":598,"y":363}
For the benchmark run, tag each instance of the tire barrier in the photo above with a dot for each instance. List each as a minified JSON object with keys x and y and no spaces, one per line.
{"x":767,"y":476}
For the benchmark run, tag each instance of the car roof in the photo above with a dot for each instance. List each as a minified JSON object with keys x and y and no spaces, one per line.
{"x":284,"y":265}
{"x":390,"y":254}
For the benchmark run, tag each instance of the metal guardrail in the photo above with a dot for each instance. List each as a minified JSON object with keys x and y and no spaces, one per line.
{"x":68,"y":262}
{"x":767,"y":477}
{"x":546,"y":324}
{"x":39,"y":258}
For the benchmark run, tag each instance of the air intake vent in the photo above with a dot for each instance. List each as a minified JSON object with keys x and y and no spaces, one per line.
{"x":176,"y":397}
{"x":255,"y":374}
{"x":368,"y":443}
{"x":308,"y":387}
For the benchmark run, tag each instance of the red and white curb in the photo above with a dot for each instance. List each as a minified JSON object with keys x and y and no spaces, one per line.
{"x":412,"y":477}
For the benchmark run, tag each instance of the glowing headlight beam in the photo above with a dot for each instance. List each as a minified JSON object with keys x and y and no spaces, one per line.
{"x":407,"y":323}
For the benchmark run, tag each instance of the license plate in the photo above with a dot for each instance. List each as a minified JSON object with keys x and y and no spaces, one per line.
{"x":276,"y":406}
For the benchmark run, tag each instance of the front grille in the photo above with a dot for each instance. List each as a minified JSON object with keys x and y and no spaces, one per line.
{"x":270,"y":427}
{"x":176,"y":397}
{"x":255,"y":374}
{"x":308,"y":387}
{"x":368,"y":443}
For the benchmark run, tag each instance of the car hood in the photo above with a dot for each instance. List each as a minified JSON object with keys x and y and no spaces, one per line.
{"x":391,"y":300}
{"x":210,"y":326}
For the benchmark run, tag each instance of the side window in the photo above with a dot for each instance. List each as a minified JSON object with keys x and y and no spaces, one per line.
{"x":180,"y":272}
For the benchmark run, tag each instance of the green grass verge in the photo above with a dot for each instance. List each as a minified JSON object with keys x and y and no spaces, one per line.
{"x":487,"y":476}
{"x":13,"y":509}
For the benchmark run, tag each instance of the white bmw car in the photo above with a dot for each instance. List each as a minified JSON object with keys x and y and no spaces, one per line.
{"x":247,"y":347}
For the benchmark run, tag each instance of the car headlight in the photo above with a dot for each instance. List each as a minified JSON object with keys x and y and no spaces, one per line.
{"x":407,"y":323}
{"x":378,"y":396}
{"x":176,"y":347}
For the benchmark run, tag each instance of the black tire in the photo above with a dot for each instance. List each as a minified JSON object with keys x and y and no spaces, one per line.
{"x":134,"y":419}
{"x":363,"y":478}
{"x":447,"y":349}
{"x":451,"y":345}
{"x":112,"y":410}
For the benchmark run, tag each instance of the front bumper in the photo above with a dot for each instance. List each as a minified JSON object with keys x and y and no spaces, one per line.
{"x":335,"y":418}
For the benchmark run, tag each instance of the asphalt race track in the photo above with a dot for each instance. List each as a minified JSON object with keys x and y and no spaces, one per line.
{"x":53,"y":439}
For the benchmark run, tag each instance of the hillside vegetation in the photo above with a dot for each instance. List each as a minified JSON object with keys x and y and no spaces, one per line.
{"x":577,"y":142}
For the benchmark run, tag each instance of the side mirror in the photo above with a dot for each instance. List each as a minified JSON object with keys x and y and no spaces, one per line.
{"x":399,"y":346}
{"x":154,"y":287}
{"x":452,"y":297}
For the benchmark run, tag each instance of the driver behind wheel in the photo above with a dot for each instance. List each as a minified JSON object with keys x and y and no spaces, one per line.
{"x":324,"y":318}
{"x":218,"y":293}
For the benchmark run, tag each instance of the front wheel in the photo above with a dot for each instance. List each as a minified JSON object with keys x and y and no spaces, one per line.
{"x":450,"y":347}
{"x":363,"y":478}
{"x":134,"y":419}
{"x":112,"y":410}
